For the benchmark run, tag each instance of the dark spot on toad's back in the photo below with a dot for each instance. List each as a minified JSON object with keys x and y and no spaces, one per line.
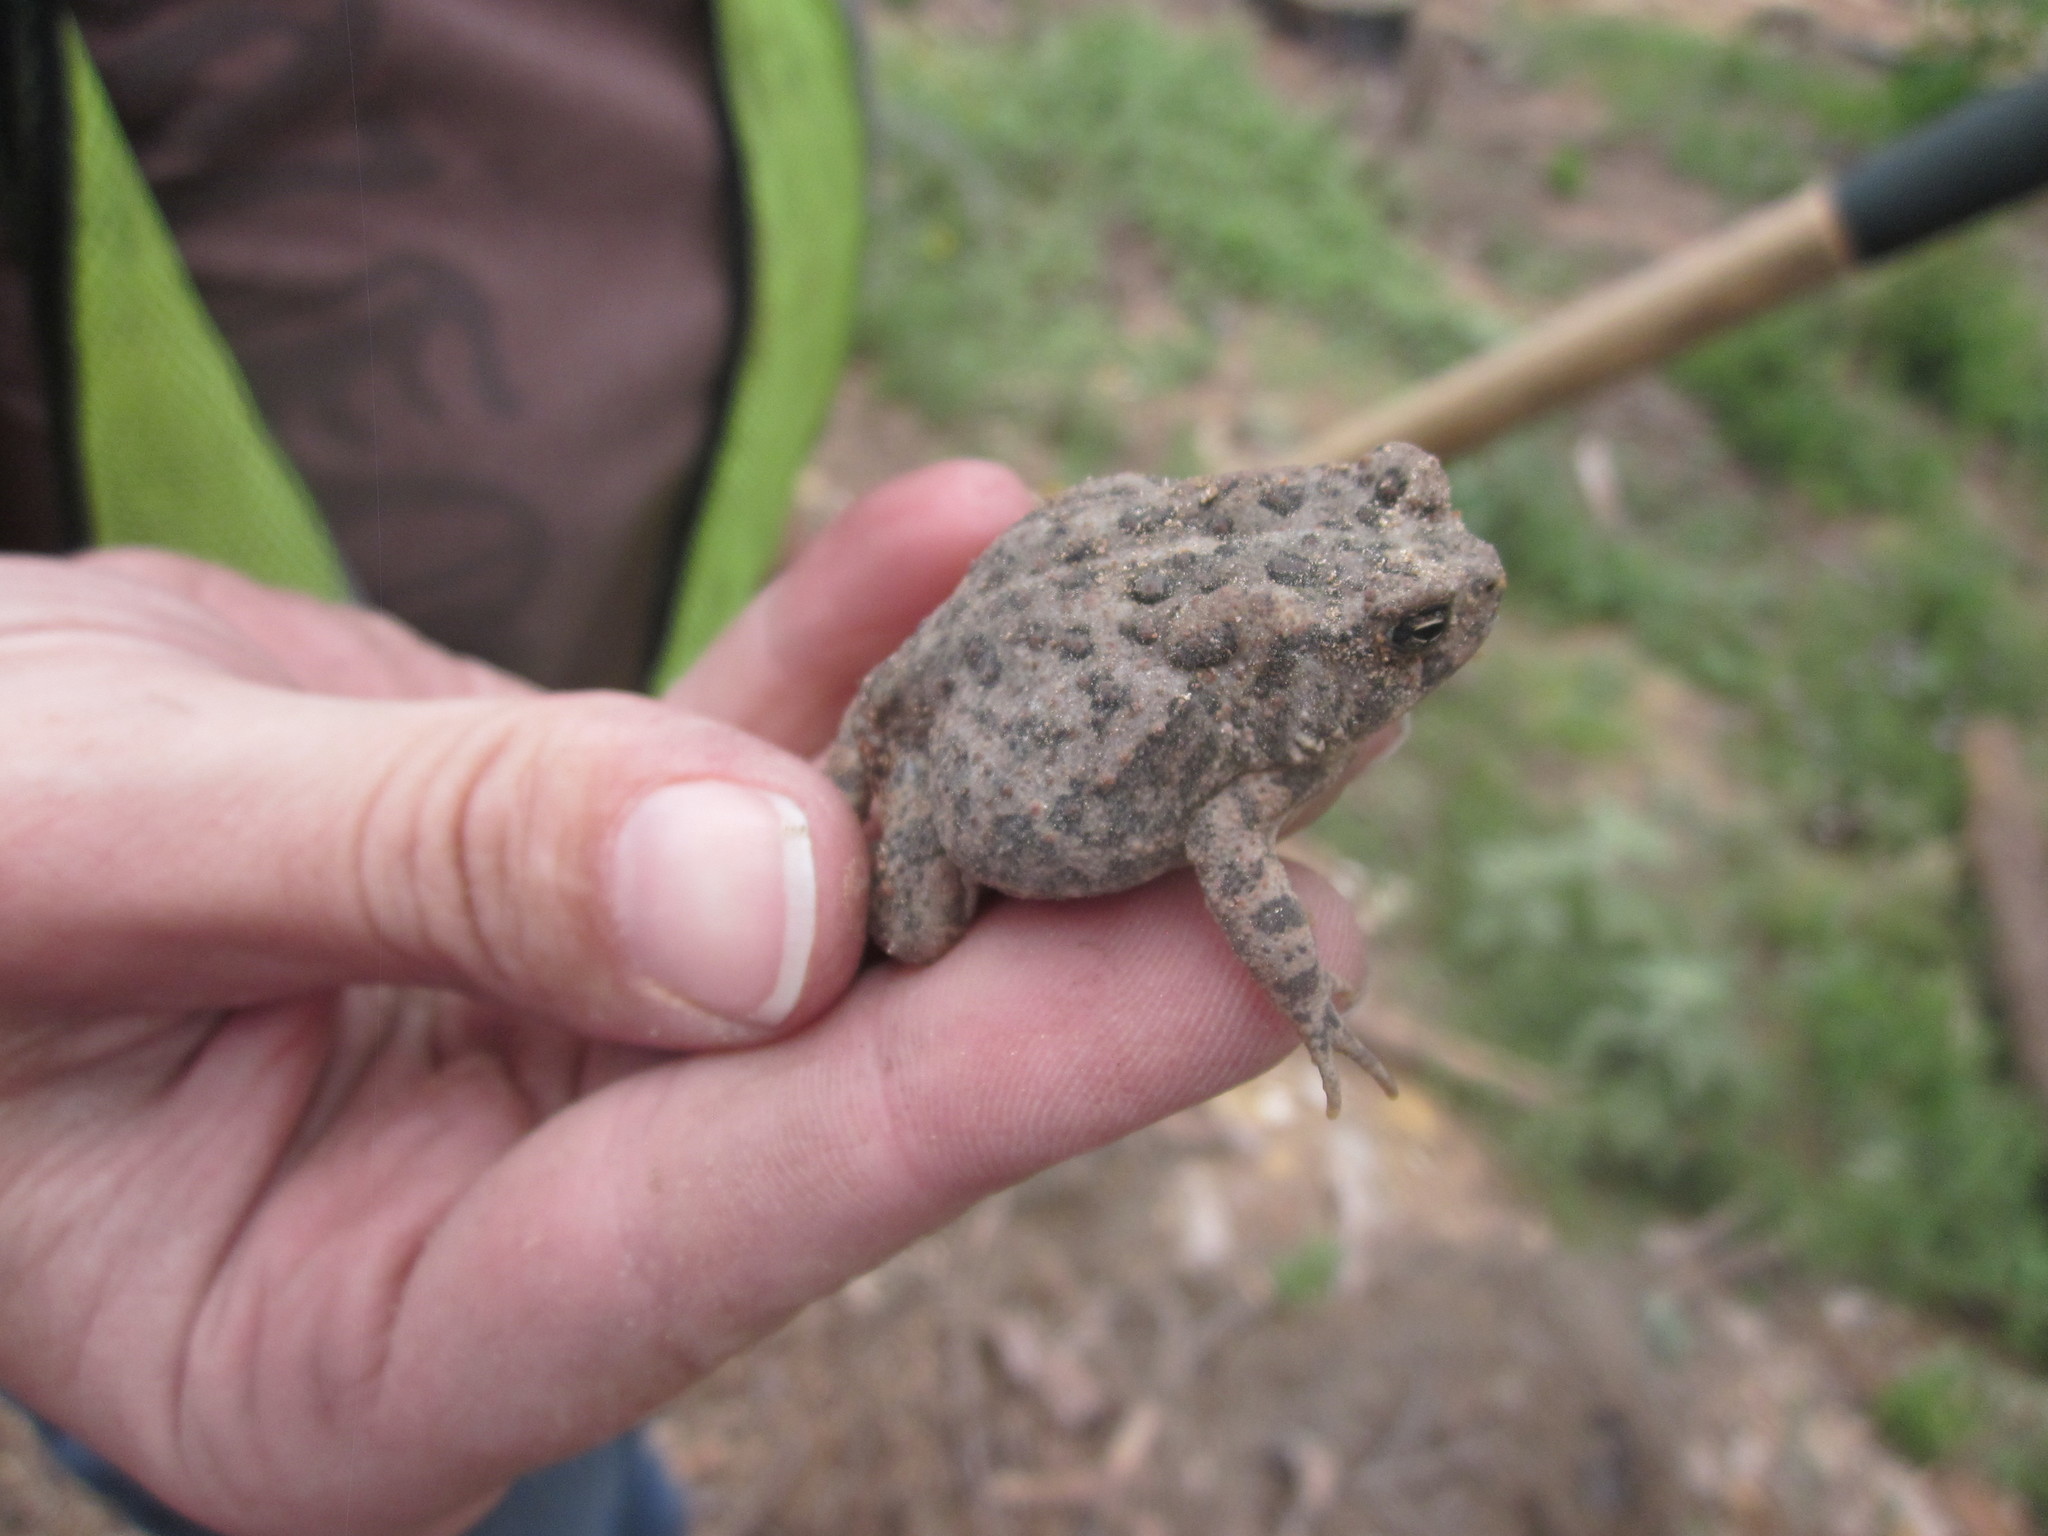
{"x":1292,"y":570}
{"x":1389,"y":487}
{"x":1284,"y":499}
{"x":996,"y":567}
{"x":1032,"y":735}
{"x":1014,"y":833}
{"x":1209,"y":646}
{"x":1107,"y":698}
{"x":1275,"y":674}
{"x":1147,"y":519}
{"x":1149,"y":586}
{"x":1077,"y":643}
{"x":1092,"y":820}
{"x":984,"y":663}
{"x":1175,"y":755}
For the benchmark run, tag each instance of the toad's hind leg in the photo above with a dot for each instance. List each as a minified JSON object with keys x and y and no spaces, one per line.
{"x":919,"y":902}
{"x":1230,"y":843}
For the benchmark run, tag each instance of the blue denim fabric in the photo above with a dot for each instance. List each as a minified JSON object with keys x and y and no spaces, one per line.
{"x":619,"y":1489}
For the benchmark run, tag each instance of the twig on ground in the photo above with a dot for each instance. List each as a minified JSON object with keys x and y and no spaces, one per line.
{"x":1412,"y":1043}
{"x":2011,"y":868}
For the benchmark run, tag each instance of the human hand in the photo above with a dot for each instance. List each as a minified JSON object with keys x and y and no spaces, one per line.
{"x":385,"y":1108}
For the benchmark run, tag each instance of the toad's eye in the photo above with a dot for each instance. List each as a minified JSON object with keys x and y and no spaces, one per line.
{"x":1419,"y":630}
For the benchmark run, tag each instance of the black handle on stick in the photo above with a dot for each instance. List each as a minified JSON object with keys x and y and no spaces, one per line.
{"x":1978,"y":157}
{"x":1982,"y":155}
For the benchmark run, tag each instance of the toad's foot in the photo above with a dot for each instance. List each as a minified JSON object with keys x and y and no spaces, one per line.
{"x":1230,"y":844}
{"x":1333,"y":1035}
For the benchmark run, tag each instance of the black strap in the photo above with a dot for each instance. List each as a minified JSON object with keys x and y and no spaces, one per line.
{"x":36,"y":207}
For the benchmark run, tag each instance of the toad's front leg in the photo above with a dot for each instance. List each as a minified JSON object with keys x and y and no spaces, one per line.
{"x":1230,"y":844}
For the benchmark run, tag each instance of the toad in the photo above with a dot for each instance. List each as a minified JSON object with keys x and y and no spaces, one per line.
{"x":1147,"y":673}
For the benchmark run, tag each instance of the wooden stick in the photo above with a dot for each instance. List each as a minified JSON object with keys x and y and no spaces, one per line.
{"x":2003,"y":832}
{"x":1982,"y":155}
{"x":1412,"y":1043}
{"x":1765,"y":258}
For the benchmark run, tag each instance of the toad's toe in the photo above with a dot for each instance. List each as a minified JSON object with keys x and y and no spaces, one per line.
{"x":1366,"y":1057}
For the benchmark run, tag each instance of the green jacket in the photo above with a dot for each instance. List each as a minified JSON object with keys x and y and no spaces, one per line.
{"x":159,"y":440}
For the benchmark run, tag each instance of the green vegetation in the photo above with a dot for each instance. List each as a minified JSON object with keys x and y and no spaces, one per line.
{"x":1857,"y":399}
{"x":1930,"y":1412}
{"x":1688,"y":831}
{"x":1955,"y":1405}
{"x":1782,"y":997}
{"x":1745,"y":118}
{"x":1303,"y":1277}
{"x":1752,"y":119}
{"x":1975,"y":42}
{"x":1018,"y":177}
{"x":1567,"y":171}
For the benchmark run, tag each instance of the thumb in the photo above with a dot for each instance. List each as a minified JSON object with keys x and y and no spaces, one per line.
{"x":190,"y":840}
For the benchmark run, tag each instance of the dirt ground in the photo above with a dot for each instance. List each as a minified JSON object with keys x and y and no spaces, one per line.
{"x":1162,"y":1338}
{"x":1250,"y":1320}
{"x":1872,"y":23}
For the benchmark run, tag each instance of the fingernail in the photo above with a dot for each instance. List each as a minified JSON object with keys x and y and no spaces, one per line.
{"x":715,"y":892}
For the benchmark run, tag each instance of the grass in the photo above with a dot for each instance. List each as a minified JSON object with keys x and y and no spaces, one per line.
{"x":1016,"y":176}
{"x":1752,"y":949}
{"x":1929,"y":1412}
{"x":1958,"y":332}
{"x":1957,"y":1406}
{"x":1307,"y":1274}
{"x":1861,"y":399}
{"x":1753,"y":120}
{"x":1771,"y":989}
{"x":1558,"y":916}
{"x":1822,"y":1043}
{"x":1742,"y":117}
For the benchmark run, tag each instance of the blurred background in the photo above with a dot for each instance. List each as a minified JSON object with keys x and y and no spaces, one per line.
{"x":1718,"y":1198}
{"x":1719,"y":1202}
